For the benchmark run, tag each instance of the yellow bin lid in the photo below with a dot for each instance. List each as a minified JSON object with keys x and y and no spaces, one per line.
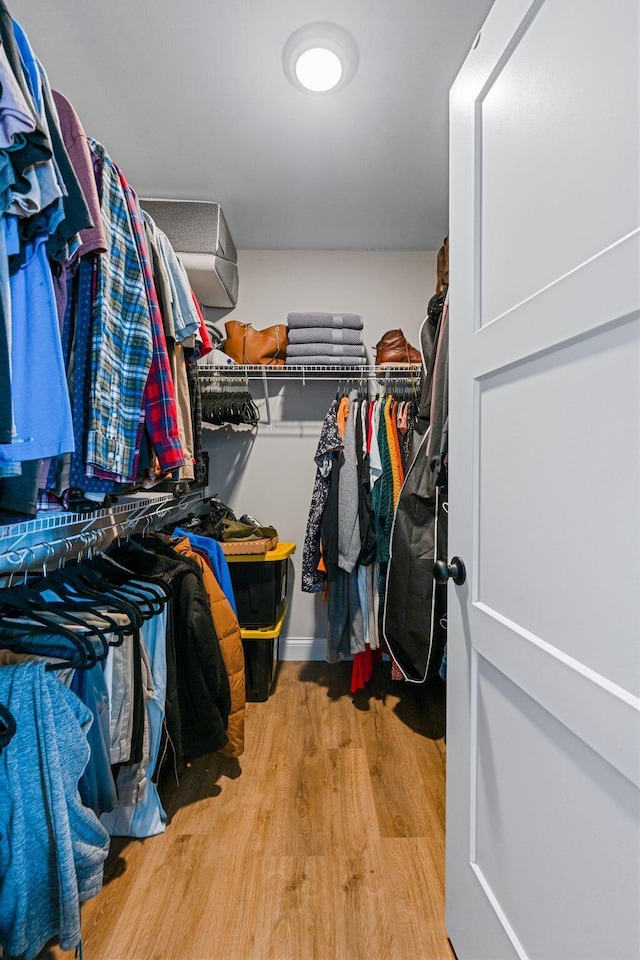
{"x":265,"y":633}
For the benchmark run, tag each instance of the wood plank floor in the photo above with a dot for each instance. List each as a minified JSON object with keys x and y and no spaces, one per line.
{"x":324,"y":842}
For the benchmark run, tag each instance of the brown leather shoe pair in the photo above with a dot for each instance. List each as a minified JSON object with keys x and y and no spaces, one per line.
{"x":395,"y":348}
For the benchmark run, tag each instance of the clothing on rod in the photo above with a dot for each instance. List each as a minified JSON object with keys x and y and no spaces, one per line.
{"x":360,"y":462}
{"x":99,"y":330}
{"x":143,"y":647}
{"x":414,"y":615}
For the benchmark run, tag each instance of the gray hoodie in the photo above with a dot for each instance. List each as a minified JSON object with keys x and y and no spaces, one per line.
{"x":349,"y":544}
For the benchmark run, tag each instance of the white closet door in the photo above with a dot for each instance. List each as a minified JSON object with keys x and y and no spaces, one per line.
{"x":543,"y":815}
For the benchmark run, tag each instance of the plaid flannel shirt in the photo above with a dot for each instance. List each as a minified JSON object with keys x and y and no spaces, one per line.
{"x":159,"y":400}
{"x":121,"y":342}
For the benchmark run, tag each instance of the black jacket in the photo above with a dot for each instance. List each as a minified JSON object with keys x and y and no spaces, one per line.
{"x":198,"y":698}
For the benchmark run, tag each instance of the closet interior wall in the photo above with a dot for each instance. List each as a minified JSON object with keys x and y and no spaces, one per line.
{"x":270,"y":473}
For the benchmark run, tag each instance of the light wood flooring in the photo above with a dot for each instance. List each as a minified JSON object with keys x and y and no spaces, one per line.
{"x":324,"y":842}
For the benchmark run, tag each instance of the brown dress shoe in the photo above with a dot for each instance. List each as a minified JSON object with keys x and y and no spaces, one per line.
{"x":394,"y":348}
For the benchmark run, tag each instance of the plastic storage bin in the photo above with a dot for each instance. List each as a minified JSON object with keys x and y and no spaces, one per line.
{"x":261,"y":658}
{"x":260,"y":585}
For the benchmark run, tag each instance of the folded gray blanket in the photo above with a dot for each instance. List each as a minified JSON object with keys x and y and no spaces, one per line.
{"x":325,"y":335}
{"x":319,"y":349}
{"x":301,"y":321}
{"x":311,"y":361}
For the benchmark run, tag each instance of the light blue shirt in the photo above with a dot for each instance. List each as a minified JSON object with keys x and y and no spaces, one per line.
{"x":52,"y":849}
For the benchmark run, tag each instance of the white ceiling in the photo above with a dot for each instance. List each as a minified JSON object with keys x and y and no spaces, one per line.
{"x":191,"y":100}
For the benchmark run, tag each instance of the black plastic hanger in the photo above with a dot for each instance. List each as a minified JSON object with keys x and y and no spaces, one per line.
{"x":24,"y":611}
{"x":76,"y":595}
{"x":8,"y":727}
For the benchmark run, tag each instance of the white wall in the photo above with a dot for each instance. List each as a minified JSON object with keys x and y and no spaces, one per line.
{"x":270,"y":473}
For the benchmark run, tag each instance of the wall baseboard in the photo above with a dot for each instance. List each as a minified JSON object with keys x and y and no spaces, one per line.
{"x":306,"y":648}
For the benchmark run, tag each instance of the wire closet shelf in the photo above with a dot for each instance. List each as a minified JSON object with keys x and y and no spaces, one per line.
{"x":311,"y":372}
{"x":64,"y":536}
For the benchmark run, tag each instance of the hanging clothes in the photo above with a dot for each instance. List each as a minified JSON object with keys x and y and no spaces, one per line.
{"x":145,"y":815}
{"x":41,"y":408}
{"x":104,"y":673}
{"x":330,"y":443}
{"x":414,"y":617}
{"x":215,"y":556}
{"x":121,"y":347}
{"x":198,"y":698}
{"x":358,"y":480}
{"x":90,"y":352}
{"x":345,"y":629}
{"x":52,"y":849}
{"x":349,"y":544}
{"x":92,"y":239}
{"x":228,"y":633}
{"x":159,"y":398}
{"x":383,"y":490}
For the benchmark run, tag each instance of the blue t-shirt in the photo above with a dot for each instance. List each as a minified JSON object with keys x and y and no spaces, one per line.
{"x":218,"y":560}
{"x":41,"y":408}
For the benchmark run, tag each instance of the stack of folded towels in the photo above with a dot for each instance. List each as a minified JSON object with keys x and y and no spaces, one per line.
{"x":325,"y":338}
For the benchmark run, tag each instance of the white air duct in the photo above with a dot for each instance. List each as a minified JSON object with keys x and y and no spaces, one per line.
{"x":198,"y":232}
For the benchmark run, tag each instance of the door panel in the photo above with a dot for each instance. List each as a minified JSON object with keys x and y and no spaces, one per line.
{"x":596,"y":859}
{"x":537,"y":134}
{"x":543,"y":748}
{"x":545,"y":428}
{"x":563,"y":686}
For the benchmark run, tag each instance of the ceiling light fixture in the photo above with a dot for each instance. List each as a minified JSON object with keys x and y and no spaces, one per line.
{"x":320,"y":57}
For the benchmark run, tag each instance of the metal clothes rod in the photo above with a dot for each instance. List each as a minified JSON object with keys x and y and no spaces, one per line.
{"x":265,"y":372}
{"x":77,"y":534}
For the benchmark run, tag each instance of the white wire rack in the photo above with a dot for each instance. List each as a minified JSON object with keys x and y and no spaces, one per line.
{"x":311,"y":372}
{"x":385,"y":373}
{"x":58,"y":537}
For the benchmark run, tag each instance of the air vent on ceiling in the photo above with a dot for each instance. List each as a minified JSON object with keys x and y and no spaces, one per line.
{"x":200,"y":236}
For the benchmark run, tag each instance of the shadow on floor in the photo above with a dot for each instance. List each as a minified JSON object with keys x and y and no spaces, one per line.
{"x":198,"y":781}
{"x":421,"y":706}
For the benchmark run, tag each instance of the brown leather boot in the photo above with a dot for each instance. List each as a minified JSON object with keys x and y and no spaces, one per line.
{"x":443,"y":266}
{"x":394,"y":348}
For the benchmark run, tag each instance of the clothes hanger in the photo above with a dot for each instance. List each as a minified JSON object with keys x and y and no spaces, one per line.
{"x":37,"y":624}
{"x":142,"y":596}
{"x":8,"y":727}
{"x":26,"y":610}
{"x":71,"y":589}
{"x":149,"y":594}
{"x":118,"y":569}
{"x":251,"y":412}
{"x":61,"y":587}
{"x":97,"y":599}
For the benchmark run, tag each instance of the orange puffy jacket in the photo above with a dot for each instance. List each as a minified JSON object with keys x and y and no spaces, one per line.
{"x":228,"y":632}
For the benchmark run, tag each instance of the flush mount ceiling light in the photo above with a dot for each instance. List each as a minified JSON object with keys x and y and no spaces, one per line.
{"x":320,"y":58}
